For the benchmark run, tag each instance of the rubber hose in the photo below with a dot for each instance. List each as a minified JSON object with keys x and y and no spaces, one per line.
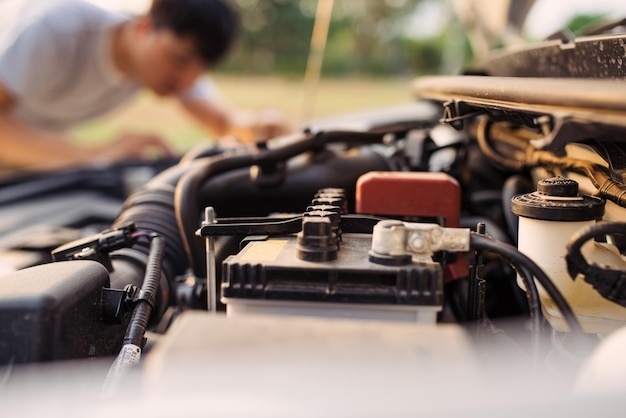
{"x":153,"y":210}
{"x":187,"y":191}
{"x":481,"y":242}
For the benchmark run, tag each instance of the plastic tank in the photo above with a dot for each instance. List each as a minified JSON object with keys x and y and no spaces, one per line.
{"x":548,"y":218}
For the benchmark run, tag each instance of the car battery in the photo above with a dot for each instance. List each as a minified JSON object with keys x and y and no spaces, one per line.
{"x":323,"y":272}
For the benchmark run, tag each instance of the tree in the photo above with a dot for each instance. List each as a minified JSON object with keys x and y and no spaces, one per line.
{"x":365,"y":37}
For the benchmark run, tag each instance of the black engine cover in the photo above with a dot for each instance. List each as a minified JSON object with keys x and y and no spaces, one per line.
{"x":53,"y":312}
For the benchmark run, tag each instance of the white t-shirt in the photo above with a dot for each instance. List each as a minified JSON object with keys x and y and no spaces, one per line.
{"x":55,"y":58}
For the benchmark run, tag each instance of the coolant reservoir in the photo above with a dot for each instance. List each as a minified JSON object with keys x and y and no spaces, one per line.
{"x":548,"y":218}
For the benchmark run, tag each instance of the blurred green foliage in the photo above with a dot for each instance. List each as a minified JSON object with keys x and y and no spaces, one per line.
{"x":366,"y":37}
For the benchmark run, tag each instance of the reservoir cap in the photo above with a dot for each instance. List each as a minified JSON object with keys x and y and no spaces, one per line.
{"x":557,"y":199}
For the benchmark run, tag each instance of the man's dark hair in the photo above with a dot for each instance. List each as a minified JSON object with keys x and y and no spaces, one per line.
{"x":212,"y":24}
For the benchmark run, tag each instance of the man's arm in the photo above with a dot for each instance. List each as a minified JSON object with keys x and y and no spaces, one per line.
{"x":22,"y":146}
{"x":221,"y":119}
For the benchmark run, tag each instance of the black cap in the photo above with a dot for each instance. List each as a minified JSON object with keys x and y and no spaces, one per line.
{"x":557,"y":199}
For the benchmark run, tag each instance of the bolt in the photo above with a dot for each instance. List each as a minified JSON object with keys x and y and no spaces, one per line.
{"x":417,"y":242}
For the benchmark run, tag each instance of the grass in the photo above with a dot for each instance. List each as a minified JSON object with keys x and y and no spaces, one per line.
{"x":332,"y":97}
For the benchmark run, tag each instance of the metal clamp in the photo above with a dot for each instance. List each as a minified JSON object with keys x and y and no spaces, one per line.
{"x":396,"y":238}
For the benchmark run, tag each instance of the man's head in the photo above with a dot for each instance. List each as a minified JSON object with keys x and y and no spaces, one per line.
{"x":211,"y":24}
{"x":178,"y":40}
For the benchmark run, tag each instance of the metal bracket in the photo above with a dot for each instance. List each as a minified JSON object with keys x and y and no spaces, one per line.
{"x":455,"y":112}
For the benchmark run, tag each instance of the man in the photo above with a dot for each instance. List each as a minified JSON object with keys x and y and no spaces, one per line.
{"x":65,"y":61}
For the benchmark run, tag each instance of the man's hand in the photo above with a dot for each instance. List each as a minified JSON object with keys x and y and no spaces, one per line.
{"x":247,"y":126}
{"x":131,"y":146}
{"x":261,"y":125}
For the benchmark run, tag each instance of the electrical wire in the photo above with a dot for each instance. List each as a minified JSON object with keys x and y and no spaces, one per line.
{"x":134,"y":339}
{"x":574,"y":246}
{"x":608,"y":282}
{"x":147,"y":295}
{"x":483,"y":138}
{"x":534,"y":306}
{"x":532,"y":295}
{"x":597,"y":174}
{"x":514,"y":185}
{"x":529,"y":267}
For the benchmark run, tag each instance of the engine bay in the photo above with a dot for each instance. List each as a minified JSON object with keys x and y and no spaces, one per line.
{"x":468,"y":245}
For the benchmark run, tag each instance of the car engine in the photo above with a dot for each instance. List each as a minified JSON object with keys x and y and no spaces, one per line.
{"x":467,"y":246}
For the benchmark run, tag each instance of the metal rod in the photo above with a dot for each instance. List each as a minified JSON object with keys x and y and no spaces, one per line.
{"x":316,"y":56}
{"x":209,"y":218}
